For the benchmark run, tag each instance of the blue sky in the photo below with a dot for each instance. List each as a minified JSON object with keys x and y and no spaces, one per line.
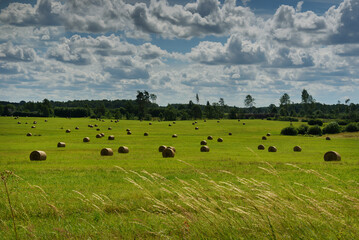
{"x":109,"y":49}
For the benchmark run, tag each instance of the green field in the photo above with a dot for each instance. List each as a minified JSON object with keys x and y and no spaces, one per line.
{"x":232,"y":192}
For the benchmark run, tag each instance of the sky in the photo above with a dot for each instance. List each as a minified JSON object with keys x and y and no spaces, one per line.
{"x":109,"y":49}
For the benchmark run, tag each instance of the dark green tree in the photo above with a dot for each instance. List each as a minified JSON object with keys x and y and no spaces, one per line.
{"x":221,"y":102}
{"x":196,"y":112}
{"x":100,"y":110}
{"x":9,"y":109}
{"x":305,"y":96}
{"x":153,"y":97}
{"x":233,"y":113}
{"x":208,"y":110}
{"x":273,"y":109}
{"x":142,"y":100}
{"x":249,"y":101}
{"x":284,"y":100}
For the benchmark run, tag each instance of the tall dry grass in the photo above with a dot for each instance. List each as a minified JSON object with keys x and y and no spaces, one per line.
{"x":250,"y":209}
{"x":201,"y":208}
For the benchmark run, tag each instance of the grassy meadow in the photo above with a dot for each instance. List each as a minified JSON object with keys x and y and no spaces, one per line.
{"x":235,"y":191}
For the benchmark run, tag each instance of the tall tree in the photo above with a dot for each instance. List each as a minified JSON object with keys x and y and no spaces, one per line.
{"x":153,"y":97}
{"x":208,"y":110}
{"x":249,"y":101}
{"x":284,"y":100}
{"x":221,"y":102}
{"x":142,"y":100}
{"x":272,"y":109}
{"x":305,"y":96}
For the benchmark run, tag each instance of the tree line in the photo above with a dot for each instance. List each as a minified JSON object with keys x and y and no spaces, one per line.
{"x":144,"y":107}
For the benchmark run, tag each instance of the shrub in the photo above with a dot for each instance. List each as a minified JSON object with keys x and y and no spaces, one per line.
{"x":315,"y":122}
{"x":289,"y":131}
{"x":342,"y":123}
{"x":332,"y":127}
{"x":304,"y":120}
{"x":352,"y":127}
{"x":290,"y":119}
{"x":302,"y":129}
{"x":315,"y":130}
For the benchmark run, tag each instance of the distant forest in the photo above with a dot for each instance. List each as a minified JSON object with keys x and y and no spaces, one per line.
{"x":144,"y":107}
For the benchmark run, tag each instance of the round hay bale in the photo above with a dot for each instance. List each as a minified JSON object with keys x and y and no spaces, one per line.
{"x":239,"y":120}
{"x":196,"y":128}
{"x":204,"y":149}
{"x":204,"y":120}
{"x":169,"y":125}
{"x":161,"y":148}
{"x":33,"y":126}
{"x":128,"y":130}
{"x":90,"y":126}
{"x":34,"y":122}
{"x":195,"y":122}
{"x":261,"y":147}
{"x":37,"y":156}
{"x":18,"y":122}
{"x":209,"y":138}
{"x":123,"y":149}
{"x":106,"y":152}
{"x":203,"y":142}
{"x":111,"y":137}
{"x":98,"y":136}
{"x":26,"y":123}
{"x":61,"y":144}
{"x":149,"y":123}
{"x":110,"y":128}
{"x":68,"y":130}
{"x":96,"y":125}
{"x":220,"y":140}
{"x":168,"y":153}
{"x":297,"y":149}
{"x":103,"y":120}
{"x":97,"y":129}
{"x":244,"y":123}
{"x":77,"y":128}
{"x":174,"y":135}
{"x":129,"y":133}
{"x":86,"y":139}
{"x":111,"y":120}
{"x":332,"y":156}
{"x":45,"y":120}
{"x":272,"y":149}
{"x":29,"y":134}
{"x":173,"y":148}
{"x":102,"y":134}
{"x":145,"y":134}
{"x":230,"y":134}
{"x":327,"y":138}
{"x":174,"y":122}
{"x":217,"y":121}
{"x":268,"y":134}
{"x":264,"y":138}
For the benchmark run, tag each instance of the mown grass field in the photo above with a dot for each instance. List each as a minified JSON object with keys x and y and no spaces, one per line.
{"x":233,"y":192}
